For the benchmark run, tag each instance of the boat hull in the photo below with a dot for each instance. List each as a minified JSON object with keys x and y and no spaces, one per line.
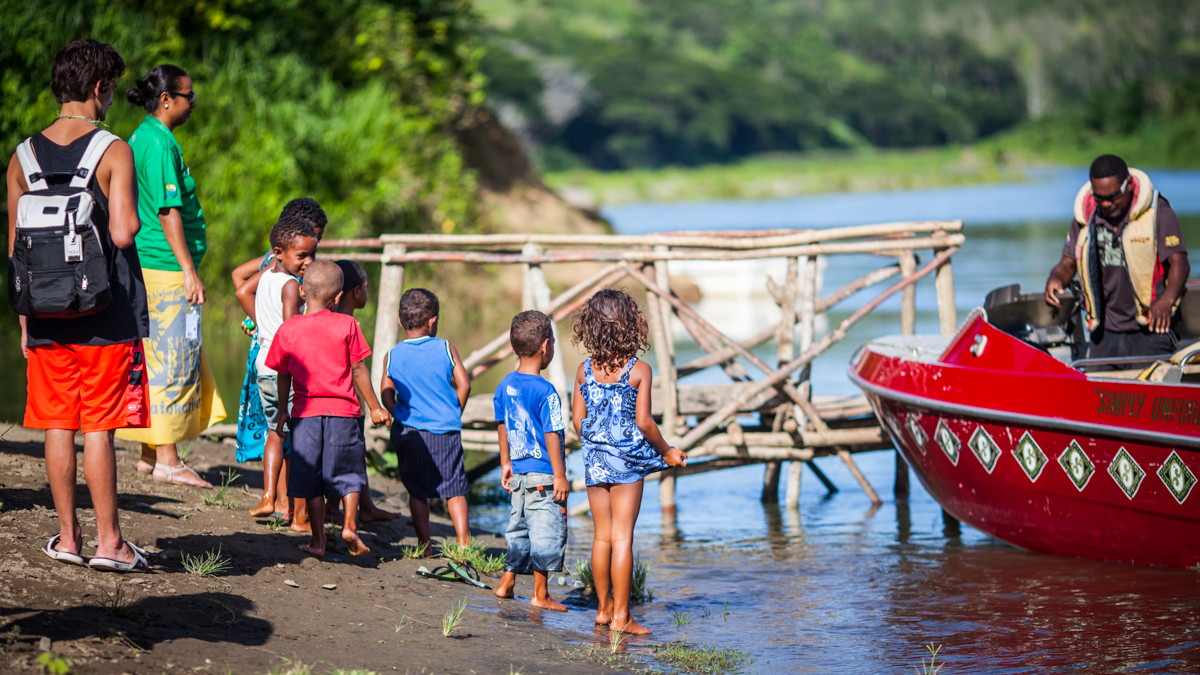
{"x":1074,"y":486}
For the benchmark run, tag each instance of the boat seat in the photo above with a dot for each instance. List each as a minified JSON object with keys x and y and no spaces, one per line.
{"x":1180,"y":356}
{"x":1174,"y":371}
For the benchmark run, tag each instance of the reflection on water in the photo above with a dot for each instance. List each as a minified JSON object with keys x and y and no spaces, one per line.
{"x":837,"y":587}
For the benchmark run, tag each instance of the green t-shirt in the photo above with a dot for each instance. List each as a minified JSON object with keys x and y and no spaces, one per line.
{"x":164,"y":182}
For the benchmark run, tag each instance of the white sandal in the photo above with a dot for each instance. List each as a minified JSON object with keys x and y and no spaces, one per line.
{"x":110,"y":565}
{"x":170,"y":471}
{"x":62,"y":556}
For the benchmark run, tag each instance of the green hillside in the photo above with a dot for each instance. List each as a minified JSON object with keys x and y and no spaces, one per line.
{"x":620,"y":84}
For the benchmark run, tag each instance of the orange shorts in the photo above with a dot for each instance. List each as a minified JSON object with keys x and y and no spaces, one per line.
{"x":87,"y":388}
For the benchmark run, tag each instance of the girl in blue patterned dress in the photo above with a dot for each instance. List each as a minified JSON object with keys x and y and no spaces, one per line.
{"x":621,"y":442}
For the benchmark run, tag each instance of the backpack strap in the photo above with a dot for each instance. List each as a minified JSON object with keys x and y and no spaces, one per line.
{"x":29,"y":164}
{"x":91,"y":158}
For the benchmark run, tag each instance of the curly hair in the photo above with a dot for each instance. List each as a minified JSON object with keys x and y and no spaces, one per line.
{"x":612,"y":329}
{"x":80,"y":65}
{"x":308,"y":209}
{"x":288,"y":229}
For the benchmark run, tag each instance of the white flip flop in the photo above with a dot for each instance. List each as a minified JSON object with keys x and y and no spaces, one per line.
{"x":110,"y":565}
{"x":62,"y":556}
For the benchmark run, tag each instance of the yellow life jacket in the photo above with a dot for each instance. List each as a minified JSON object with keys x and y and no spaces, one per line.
{"x":1139,"y":244}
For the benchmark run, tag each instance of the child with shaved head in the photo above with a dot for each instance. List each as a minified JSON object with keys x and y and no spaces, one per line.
{"x":321,"y":354}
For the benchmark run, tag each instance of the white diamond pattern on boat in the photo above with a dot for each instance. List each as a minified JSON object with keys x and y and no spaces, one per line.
{"x":947,"y":441}
{"x":1126,"y":472}
{"x":1078,"y":465}
{"x":1030,"y":456}
{"x":913,"y":422}
{"x":985,"y":449}
{"x":1177,"y":477}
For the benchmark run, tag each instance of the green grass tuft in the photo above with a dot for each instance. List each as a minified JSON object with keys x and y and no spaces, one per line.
{"x":415,"y":550}
{"x":453,"y":618}
{"x":223,"y":496}
{"x":681,"y":618}
{"x":932,"y":668}
{"x":701,"y":659}
{"x":121,"y":606}
{"x":473,"y":553}
{"x":206,"y":565}
{"x":639,"y":594}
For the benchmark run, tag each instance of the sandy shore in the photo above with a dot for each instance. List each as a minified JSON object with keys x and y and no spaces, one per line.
{"x":246,"y":620}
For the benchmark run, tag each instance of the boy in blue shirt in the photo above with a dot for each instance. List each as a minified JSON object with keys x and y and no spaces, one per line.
{"x":533,"y":462}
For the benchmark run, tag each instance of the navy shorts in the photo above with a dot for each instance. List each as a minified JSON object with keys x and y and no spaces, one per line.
{"x":328,"y":458}
{"x":537,"y":526}
{"x":430,"y":465}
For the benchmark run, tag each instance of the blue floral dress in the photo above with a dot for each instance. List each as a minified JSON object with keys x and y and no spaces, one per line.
{"x":614,"y":450}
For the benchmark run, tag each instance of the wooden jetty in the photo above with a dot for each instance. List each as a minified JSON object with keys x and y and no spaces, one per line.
{"x":708,"y":421}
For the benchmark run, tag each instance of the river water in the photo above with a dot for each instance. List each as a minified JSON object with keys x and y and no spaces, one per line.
{"x":840,"y":587}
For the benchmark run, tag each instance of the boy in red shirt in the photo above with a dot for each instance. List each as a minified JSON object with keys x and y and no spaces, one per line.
{"x":321,"y":352}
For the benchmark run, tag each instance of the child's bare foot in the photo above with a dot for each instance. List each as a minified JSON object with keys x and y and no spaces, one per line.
{"x":373,"y":514}
{"x":603,"y":618}
{"x":548,"y":603}
{"x":314,"y":550}
{"x":265,"y":508}
{"x":298,"y":526}
{"x":356,"y":545}
{"x":628,"y":626}
{"x":507,"y":586}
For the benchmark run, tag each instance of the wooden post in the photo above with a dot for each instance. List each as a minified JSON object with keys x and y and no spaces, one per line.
{"x":908,"y":326}
{"x":792,"y":493}
{"x":387,"y":323}
{"x":784,"y":351}
{"x":535,"y":294}
{"x":658,"y":315}
{"x":947,"y":312}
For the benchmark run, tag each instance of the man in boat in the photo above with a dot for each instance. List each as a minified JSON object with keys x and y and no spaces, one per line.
{"x":1126,"y":246}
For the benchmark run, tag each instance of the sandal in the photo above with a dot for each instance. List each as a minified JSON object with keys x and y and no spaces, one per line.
{"x":442,"y":573}
{"x":170,"y":472}
{"x":110,"y":565}
{"x":49,"y":548}
{"x":467,"y":573}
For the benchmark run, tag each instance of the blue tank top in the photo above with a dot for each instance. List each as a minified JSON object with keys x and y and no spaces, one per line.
{"x":423,"y":371}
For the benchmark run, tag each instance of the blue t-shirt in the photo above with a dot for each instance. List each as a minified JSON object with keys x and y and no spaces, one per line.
{"x":529,"y":408}
{"x":423,"y":371}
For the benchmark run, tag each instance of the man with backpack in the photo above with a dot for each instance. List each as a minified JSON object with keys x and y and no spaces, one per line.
{"x":75,"y":279}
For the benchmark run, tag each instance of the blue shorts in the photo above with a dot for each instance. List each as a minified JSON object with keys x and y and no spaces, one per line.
{"x":268,"y":391}
{"x":537,"y":527}
{"x":328,"y":458}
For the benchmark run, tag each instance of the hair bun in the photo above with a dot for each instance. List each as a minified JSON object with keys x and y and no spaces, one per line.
{"x":136,"y":96}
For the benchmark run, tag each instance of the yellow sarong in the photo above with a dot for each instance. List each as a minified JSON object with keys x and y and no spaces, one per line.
{"x":183,"y":392}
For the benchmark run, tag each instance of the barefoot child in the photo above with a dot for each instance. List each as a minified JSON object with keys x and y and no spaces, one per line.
{"x":533,"y":463}
{"x":621,"y":442}
{"x":321,"y":353}
{"x":427,"y":387}
{"x":355,"y":296}
{"x":293,"y":244}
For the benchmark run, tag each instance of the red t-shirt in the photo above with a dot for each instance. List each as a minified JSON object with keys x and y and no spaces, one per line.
{"x":317,"y":350}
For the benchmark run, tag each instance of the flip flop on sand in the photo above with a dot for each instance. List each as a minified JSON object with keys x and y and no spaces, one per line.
{"x":110,"y":565}
{"x":50,"y":548}
{"x":442,"y":573}
{"x":170,"y":472}
{"x":467,"y":573}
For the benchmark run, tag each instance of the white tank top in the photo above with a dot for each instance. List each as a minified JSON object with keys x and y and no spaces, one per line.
{"x":268,"y":312}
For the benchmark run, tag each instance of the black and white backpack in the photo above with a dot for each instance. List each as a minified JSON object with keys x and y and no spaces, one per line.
{"x":59,"y":267}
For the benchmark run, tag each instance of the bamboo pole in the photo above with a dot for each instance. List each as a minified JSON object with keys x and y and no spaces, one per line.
{"x":664,"y":350}
{"x":908,"y":299}
{"x":387,"y":325}
{"x":824,"y":304}
{"x":712,"y":421}
{"x":538,"y":292}
{"x":728,"y":239}
{"x":784,"y":351}
{"x":939,"y":241}
{"x":947,"y":312}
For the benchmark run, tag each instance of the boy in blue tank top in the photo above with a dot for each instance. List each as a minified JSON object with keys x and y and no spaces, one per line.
{"x":533,"y":462}
{"x":427,"y":387}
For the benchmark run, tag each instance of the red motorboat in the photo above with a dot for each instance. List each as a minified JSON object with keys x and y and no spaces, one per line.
{"x":1040,"y":454}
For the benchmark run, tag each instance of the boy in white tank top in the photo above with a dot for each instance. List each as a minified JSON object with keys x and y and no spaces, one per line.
{"x":294,"y":245}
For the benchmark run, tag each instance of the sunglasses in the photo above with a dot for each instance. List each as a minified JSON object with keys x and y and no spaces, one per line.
{"x":190,"y":96}
{"x":1114,"y":196}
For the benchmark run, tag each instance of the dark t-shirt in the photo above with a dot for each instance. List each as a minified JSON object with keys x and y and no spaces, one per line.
{"x":1120,"y":308}
{"x":127,"y":318}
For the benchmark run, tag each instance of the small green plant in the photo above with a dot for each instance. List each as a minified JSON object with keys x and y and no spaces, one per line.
{"x":206,"y":565}
{"x":582,"y":571}
{"x":615,"y":638}
{"x":473,"y":553}
{"x":404,"y":621}
{"x":276,"y":524}
{"x":725,"y":612}
{"x":702,"y":659}
{"x":415,"y":550}
{"x":122,"y":606}
{"x":186,"y":449}
{"x":290,"y":667}
{"x":12,"y":636}
{"x":638,"y":593}
{"x":489,"y":564}
{"x":119,"y":637}
{"x":223,"y":497}
{"x":932,"y":668}
{"x":681,"y":618}
{"x":453,"y":618}
{"x":705,"y":612}
{"x":54,"y":665}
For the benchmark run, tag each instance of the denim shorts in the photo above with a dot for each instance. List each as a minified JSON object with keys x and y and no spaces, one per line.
{"x":537,"y":527}
{"x":268,"y":391}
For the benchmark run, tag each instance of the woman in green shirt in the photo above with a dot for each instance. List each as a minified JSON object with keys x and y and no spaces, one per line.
{"x":171,"y":244}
